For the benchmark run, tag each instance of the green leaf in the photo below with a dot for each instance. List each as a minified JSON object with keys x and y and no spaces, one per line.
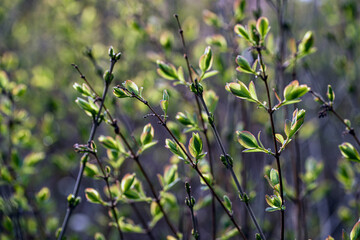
{"x":307,"y":42}
{"x":355,"y":232}
{"x":242,"y":32}
{"x":273,"y":201}
{"x":247,"y":139}
{"x":330,"y":94}
{"x":184,"y":119}
{"x":167,"y":71}
{"x":195,"y":145}
{"x":279,"y":138}
{"x":108,"y":142}
{"x":120,"y":93}
{"x":262,"y":27}
{"x":131,"y":87}
{"x":227,"y":203}
{"x":274,"y":177}
{"x":93,"y":196}
{"x":206,"y":60}
{"x":147,"y":134}
{"x":293,"y":90}
{"x":91,"y":170}
{"x":209,"y":74}
{"x":252,"y":90}
{"x":239,"y":89}
{"x":170,"y":174}
{"x":244,"y":65}
{"x":292,"y":127}
{"x":127,"y":182}
{"x":175,"y":149}
{"x":349,"y":152}
{"x":43,"y":195}
{"x":85,"y":105}
{"x":164,"y":103}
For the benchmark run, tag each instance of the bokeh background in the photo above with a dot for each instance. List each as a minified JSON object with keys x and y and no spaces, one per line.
{"x":40,"y":39}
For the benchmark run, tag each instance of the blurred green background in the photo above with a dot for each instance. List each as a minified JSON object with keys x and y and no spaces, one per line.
{"x":40,"y":39}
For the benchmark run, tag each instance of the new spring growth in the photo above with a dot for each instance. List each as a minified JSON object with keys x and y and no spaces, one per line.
{"x":114,"y":56}
{"x":206,"y":60}
{"x":330,"y":94}
{"x":189,"y":202}
{"x":72,"y":201}
{"x":349,"y":152}
{"x":147,"y":134}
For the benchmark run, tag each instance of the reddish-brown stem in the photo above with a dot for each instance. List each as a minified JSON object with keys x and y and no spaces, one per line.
{"x":264,"y":77}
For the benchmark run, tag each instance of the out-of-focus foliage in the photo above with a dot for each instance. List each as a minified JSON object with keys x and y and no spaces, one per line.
{"x":40,"y":122}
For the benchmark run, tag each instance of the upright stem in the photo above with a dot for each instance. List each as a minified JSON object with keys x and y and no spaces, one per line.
{"x":94,"y":127}
{"x":216,"y":133}
{"x":264,"y":77}
{"x":204,"y":127}
{"x":112,"y":206}
{"x":190,"y":204}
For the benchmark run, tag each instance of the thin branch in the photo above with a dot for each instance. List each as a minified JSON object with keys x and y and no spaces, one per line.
{"x":190,"y":202}
{"x":218,"y":139}
{"x":113,"y":204}
{"x":94,"y":127}
{"x":204,"y":127}
{"x":264,"y":77}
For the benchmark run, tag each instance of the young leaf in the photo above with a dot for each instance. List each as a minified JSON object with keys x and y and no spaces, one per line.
{"x":127,"y":182}
{"x":120,"y":93}
{"x":108,"y":142}
{"x":242,"y":32}
{"x":252,"y":90}
{"x":244,"y":65}
{"x":307,"y":42}
{"x":227,"y":203}
{"x":274,"y":177}
{"x":147,"y":134}
{"x":247,"y":140}
{"x":131,"y":87}
{"x":195,"y":145}
{"x":262,"y":27}
{"x":330,"y":94}
{"x":298,"y":120}
{"x":279,"y":138}
{"x":349,"y":152}
{"x":183,"y":119}
{"x":164,"y":103}
{"x":294,"y":91}
{"x":93,"y":196}
{"x":167,"y":71}
{"x":239,"y":89}
{"x":206,"y":60}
